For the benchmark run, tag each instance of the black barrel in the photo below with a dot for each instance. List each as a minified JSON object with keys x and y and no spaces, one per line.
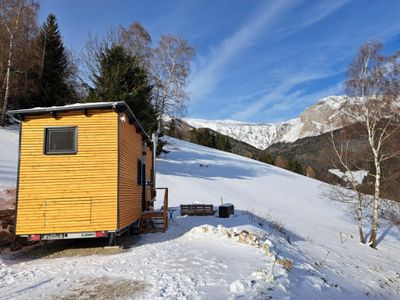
{"x":225,"y":210}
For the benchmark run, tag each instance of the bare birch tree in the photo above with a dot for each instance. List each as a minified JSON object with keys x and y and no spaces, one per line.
{"x":373,"y":84}
{"x":137,"y":41}
{"x":344,"y":160}
{"x":10,"y":13}
{"x":170,"y":71}
{"x":93,"y":48}
{"x":134,"y":39}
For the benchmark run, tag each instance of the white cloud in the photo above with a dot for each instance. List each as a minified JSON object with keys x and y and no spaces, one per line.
{"x":206,"y":79}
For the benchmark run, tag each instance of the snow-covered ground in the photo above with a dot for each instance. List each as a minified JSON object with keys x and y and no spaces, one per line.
{"x":313,"y":224}
{"x":195,"y":261}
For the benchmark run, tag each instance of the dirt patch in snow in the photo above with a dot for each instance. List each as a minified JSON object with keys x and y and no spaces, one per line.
{"x":85,"y":252}
{"x":40,"y":252}
{"x":105,"y":288}
{"x":68,"y":248}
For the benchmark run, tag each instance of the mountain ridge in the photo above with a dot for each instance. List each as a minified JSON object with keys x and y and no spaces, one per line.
{"x":324,"y":116}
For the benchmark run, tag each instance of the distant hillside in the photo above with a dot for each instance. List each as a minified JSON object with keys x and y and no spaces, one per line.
{"x":182,"y":130}
{"x":317,"y":152}
{"x":313,"y":152}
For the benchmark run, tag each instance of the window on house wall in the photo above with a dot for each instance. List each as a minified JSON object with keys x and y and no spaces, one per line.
{"x":61,"y":140}
{"x":139,"y":172}
{"x":144,"y":175}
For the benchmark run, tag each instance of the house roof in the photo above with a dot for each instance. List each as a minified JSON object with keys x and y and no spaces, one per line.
{"x":119,"y":106}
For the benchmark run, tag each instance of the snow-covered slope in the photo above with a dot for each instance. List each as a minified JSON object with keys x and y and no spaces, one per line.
{"x":8,"y":156}
{"x":326,"y":267}
{"x":322,"y":117}
{"x":195,"y":261}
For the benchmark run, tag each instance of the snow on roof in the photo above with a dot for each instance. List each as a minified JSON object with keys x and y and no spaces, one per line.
{"x":79,"y":106}
{"x":68,"y":107}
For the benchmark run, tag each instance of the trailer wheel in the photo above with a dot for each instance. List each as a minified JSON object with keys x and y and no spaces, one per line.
{"x":112,"y":239}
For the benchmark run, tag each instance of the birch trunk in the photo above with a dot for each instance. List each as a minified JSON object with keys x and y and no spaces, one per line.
{"x":7,"y":81}
{"x":376,"y":204}
{"x":360,"y":219}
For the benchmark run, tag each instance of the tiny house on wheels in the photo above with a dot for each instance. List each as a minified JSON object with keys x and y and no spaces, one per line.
{"x":84,"y":170}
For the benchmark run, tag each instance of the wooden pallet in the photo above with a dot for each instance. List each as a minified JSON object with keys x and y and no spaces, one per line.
{"x":197,"y":209}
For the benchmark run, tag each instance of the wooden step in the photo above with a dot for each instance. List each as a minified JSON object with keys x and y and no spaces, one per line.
{"x":152,"y":221}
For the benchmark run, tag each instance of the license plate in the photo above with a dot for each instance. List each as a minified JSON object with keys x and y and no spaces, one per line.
{"x":73,"y":235}
{"x":54,"y":236}
{"x":82,"y":235}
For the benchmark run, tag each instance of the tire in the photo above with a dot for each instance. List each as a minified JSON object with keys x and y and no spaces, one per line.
{"x":112,"y":239}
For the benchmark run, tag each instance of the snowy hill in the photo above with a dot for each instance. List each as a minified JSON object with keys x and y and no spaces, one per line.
{"x":198,"y":259}
{"x":313,"y":224}
{"x":322,"y":117}
{"x":8,"y":156}
{"x":8,"y":162}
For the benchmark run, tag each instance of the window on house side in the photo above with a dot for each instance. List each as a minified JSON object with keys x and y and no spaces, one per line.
{"x":61,"y":140}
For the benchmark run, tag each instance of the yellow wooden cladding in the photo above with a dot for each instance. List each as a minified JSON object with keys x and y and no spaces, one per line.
{"x":70,"y":192}
{"x":130,"y":192}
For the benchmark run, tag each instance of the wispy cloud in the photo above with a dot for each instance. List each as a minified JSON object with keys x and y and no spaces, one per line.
{"x":299,"y":100}
{"x":208,"y":77}
{"x":281,"y":94}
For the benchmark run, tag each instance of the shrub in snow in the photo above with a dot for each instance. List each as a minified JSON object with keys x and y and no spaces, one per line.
{"x":265,"y":247}
{"x":244,"y":237}
{"x":286,"y":263}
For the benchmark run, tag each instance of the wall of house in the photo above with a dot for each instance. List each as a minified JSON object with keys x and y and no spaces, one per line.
{"x":130,"y":192}
{"x":69,"y":192}
{"x":149,"y":169}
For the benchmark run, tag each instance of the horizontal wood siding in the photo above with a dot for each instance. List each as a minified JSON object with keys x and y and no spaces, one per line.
{"x":69,"y":192}
{"x":130,"y":193}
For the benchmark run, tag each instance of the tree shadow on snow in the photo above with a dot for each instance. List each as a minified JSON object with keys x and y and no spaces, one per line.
{"x":385,"y":233}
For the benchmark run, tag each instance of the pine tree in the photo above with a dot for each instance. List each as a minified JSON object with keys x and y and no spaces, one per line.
{"x":266,"y":158}
{"x":294,"y":165}
{"x":54,"y":87}
{"x":122,"y":79}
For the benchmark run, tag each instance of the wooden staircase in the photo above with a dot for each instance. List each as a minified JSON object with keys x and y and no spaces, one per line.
{"x":155,"y":220}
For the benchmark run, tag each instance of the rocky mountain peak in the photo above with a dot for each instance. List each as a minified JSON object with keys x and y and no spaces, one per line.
{"x":324,"y":116}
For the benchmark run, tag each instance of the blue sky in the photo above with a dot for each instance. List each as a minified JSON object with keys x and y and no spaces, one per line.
{"x":257,"y":61}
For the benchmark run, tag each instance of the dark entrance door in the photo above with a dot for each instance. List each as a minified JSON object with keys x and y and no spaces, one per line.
{"x":144,"y":204}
